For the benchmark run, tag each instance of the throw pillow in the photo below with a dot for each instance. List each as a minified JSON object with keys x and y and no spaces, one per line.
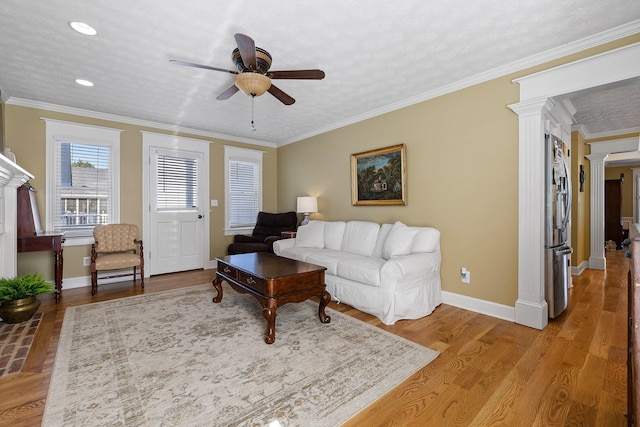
{"x":382,"y":237}
{"x":399,"y":241}
{"x":311,"y":235}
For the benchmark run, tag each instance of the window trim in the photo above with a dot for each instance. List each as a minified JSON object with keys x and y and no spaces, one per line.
{"x":232,"y":153}
{"x":58,"y":130}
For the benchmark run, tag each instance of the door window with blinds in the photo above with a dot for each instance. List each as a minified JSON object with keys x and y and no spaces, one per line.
{"x":243,"y":188}
{"x":176,"y":183}
{"x":82,"y":178}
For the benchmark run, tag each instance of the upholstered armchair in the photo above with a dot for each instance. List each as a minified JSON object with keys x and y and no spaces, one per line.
{"x":116,"y":248}
{"x":268,"y":229}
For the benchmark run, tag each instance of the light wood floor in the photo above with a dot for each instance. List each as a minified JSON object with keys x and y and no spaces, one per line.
{"x":489,"y":373}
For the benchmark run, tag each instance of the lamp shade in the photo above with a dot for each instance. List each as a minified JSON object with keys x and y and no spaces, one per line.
{"x":307,"y":205}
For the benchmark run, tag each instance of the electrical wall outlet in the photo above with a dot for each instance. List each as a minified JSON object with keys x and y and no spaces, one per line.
{"x":465,"y":275}
{"x":86,"y":261}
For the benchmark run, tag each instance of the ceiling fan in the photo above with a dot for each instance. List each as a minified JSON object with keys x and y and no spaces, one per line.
{"x":253,"y":76}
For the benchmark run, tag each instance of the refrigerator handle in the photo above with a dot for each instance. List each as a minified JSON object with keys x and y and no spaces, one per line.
{"x":569,"y":193}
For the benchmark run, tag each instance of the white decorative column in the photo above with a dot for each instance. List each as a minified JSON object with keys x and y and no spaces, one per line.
{"x":597,"y":260}
{"x":11,"y":177}
{"x":636,"y":195}
{"x":531,"y":307}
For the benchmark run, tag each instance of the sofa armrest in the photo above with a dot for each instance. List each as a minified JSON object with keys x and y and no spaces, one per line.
{"x":411,"y":267}
{"x":282,"y":244}
{"x":271,"y":240}
{"x":241,"y":238}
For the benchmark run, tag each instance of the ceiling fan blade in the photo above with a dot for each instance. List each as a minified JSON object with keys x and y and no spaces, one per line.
{"x":247,"y":48}
{"x":281,"y":96}
{"x":296,"y":74}
{"x":227,"y":93}
{"x":205,"y":67}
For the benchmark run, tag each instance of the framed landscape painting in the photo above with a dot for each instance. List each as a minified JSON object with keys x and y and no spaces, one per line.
{"x":378,"y":177}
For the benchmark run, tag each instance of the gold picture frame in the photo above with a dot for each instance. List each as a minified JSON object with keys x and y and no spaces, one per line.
{"x":378,"y":177}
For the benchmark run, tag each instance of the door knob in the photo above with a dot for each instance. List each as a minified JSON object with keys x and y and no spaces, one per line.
{"x":199,"y":216}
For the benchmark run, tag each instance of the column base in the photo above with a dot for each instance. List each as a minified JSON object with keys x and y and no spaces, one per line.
{"x":597,"y":263}
{"x":533,"y":315}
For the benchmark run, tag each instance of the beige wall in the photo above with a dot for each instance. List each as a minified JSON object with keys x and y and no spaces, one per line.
{"x":462,"y":176}
{"x":25,"y":135}
{"x":581,"y":201}
{"x":462,"y":160}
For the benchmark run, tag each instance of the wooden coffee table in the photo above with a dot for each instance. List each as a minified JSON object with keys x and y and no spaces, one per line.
{"x":273,"y":281}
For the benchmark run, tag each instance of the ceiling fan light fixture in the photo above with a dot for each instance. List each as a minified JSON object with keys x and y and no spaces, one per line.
{"x":252,"y":83}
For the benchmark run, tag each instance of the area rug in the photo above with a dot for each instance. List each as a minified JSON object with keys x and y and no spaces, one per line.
{"x":15,"y":343}
{"x":176,"y":359}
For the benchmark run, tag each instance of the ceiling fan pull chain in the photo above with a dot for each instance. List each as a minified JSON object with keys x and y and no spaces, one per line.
{"x":253,"y":128}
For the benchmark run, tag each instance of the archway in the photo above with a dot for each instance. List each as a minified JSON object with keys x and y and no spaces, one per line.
{"x":537,"y":114}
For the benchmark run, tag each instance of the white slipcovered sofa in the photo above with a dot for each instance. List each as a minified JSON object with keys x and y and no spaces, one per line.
{"x":390,"y":271}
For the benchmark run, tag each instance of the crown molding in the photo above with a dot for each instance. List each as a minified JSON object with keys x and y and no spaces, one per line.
{"x":610,"y":35}
{"x":613,"y":34}
{"x":128,"y":120}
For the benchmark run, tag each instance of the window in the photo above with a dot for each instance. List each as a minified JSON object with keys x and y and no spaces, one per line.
{"x":177,"y":183}
{"x":82,"y":179}
{"x":243,"y":189}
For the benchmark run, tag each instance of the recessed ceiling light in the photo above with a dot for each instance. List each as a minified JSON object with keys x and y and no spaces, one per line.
{"x":83,"y":28}
{"x":83,"y":82}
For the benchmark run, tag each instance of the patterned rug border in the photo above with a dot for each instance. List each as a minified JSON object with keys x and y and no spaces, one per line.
{"x":15,"y":346}
{"x":342,"y":413}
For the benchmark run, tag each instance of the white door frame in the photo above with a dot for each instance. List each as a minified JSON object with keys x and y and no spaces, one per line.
{"x":536,"y":91}
{"x":152,"y":139}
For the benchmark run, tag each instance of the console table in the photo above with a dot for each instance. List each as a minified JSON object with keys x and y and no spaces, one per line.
{"x":31,"y":238}
{"x":46,"y":242}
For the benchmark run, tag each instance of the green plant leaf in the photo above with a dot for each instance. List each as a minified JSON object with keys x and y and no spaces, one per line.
{"x":24,"y":286}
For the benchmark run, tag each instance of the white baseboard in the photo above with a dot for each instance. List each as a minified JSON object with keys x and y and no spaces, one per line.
{"x":479,"y":306}
{"x":576,"y":271}
{"x":85,"y":281}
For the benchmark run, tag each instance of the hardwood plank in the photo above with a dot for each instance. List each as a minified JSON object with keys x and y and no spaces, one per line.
{"x":490,"y":371}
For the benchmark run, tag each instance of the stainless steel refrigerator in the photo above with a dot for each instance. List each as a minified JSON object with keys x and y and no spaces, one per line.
{"x":557,"y":216}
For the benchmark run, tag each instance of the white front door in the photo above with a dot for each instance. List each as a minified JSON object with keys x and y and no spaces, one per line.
{"x":178,"y":211}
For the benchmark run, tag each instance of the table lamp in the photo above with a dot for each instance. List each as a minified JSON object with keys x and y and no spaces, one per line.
{"x":307,"y":206}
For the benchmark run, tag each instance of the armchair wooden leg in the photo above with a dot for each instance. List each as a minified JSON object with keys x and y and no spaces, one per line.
{"x":94,"y":282}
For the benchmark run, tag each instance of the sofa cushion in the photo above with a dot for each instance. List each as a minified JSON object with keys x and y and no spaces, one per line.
{"x":360,"y":237}
{"x":333,"y":234}
{"x":298,"y":253}
{"x":272,"y":224}
{"x":326,"y":258}
{"x":399,"y":241}
{"x":382,"y":236}
{"x":363,"y":269}
{"x":311,"y":235}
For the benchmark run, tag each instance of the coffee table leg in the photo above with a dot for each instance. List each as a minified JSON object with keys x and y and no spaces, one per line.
{"x":216,"y":284}
{"x":324,"y":301}
{"x":269,"y":313}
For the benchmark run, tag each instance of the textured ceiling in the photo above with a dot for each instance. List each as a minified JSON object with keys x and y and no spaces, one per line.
{"x":377,"y":56}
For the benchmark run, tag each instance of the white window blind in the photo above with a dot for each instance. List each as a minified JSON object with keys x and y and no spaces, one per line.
{"x":244,"y":193}
{"x":243,"y":187}
{"x":177,"y":185}
{"x":83,"y":187}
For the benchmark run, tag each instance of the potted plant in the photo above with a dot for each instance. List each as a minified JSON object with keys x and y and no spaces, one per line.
{"x":18,"y":301}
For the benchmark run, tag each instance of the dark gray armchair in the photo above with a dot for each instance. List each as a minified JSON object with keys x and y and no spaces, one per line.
{"x":268,"y":229}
